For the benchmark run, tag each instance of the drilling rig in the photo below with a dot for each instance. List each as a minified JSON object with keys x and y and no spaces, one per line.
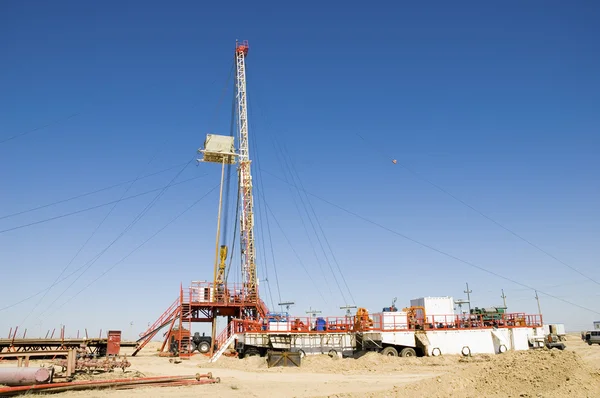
{"x":206,"y":301}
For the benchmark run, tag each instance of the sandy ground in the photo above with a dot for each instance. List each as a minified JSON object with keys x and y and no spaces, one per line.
{"x":574,"y":372}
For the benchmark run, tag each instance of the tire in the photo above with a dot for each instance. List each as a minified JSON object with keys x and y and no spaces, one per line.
{"x":203,"y":347}
{"x":389,"y":352}
{"x":302,"y":353}
{"x":408,"y":352}
{"x":332,"y":353}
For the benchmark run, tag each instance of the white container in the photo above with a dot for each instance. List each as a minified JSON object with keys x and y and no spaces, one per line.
{"x":559,"y":328}
{"x":437,"y":309}
{"x":279,"y":326}
{"x":391,"y":320}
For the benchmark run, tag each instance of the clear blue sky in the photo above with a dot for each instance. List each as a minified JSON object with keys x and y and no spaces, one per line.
{"x":498,"y":104}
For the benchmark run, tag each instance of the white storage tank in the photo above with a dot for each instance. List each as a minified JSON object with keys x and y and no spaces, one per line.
{"x":437,"y":309}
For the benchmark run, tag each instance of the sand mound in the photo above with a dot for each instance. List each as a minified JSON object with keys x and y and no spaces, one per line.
{"x":370,"y":362}
{"x":540,"y":373}
{"x":533,"y":373}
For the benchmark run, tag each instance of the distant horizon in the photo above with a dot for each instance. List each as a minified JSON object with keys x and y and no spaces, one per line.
{"x":398,"y":151}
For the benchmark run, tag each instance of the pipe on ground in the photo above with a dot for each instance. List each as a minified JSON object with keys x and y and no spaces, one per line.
{"x":160,"y":381}
{"x":25,"y":376}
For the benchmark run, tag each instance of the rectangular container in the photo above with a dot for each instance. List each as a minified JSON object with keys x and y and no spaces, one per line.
{"x":437,"y":309}
{"x":114,"y":342}
{"x":555,"y":328}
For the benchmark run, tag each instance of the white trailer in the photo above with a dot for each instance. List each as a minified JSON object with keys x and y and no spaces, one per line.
{"x":332,"y":344}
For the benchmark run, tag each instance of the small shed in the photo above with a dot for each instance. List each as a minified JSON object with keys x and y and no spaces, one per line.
{"x":218,"y":149}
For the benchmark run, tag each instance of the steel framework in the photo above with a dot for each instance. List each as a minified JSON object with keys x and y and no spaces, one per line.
{"x":203,"y":301}
{"x":246,"y":214}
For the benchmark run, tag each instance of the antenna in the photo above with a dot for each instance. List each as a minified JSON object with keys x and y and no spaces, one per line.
{"x":347,"y":308}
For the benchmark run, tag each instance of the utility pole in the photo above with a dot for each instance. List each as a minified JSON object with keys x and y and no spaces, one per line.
{"x":312,"y":312}
{"x":538,"y":303}
{"x":287,"y":305}
{"x":503,"y":297}
{"x":468,"y":292}
{"x":347,"y":308}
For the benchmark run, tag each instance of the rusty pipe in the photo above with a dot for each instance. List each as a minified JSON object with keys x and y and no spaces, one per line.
{"x":115,"y":383}
{"x":25,"y":376}
{"x":176,"y":383}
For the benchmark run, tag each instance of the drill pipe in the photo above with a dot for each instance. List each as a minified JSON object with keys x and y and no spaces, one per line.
{"x":176,"y":383}
{"x":114,"y":383}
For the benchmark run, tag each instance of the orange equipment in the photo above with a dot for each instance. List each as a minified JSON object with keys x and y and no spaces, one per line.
{"x":363,"y":322}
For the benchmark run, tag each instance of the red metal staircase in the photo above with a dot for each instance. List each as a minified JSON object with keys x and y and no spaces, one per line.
{"x":168,"y":317}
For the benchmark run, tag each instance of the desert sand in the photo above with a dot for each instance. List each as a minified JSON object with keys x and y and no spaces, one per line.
{"x":572,"y":373}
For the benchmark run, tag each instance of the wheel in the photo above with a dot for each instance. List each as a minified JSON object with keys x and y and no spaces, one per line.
{"x":389,"y":351}
{"x":252,"y":352}
{"x":408,"y":352}
{"x":302,"y":353}
{"x":203,"y":347}
{"x":332,"y":353}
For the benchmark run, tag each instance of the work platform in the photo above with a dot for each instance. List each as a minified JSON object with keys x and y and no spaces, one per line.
{"x":201,"y":302}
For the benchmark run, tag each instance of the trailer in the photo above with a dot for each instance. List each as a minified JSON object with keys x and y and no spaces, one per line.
{"x":332,"y":344}
{"x":404,"y":333}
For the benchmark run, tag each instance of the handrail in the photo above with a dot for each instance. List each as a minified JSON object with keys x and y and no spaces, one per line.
{"x":163,"y":318}
{"x":387,"y":322}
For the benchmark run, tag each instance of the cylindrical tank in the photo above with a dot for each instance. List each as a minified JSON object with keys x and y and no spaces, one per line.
{"x":24,"y":376}
{"x":320,"y":324}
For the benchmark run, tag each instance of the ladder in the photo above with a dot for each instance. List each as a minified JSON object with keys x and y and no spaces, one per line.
{"x":223,"y":347}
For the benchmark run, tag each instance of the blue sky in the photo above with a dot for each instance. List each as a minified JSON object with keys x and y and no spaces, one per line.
{"x":497,"y":104}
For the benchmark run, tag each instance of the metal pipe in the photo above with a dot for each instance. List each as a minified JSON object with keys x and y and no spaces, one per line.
{"x":25,"y":376}
{"x":67,"y":386}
